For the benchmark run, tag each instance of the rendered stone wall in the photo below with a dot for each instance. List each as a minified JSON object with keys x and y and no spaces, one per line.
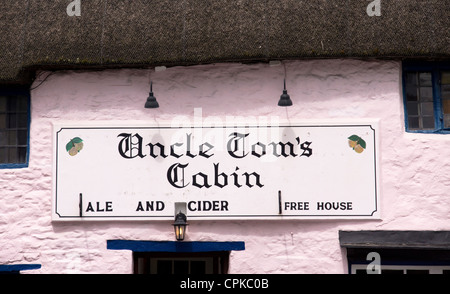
{"x":413,"y":179}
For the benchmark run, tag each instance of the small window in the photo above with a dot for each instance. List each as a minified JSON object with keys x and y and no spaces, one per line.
{"x":426,"y":89}
{"x":184,"y":266}
{"x":400,"y":260}
{"x":180,"y":263}
{"x":14,"y":128}
{"x":361,"y":269}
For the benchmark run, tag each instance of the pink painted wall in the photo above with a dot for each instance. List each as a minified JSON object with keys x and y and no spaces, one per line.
{"x":414,"y":175}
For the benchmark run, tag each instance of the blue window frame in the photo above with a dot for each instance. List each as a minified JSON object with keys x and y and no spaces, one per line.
{"x":164,"y":257}
{"x":14,"y":127}
{"x":17,"y":268}
{"x":426,"y":96}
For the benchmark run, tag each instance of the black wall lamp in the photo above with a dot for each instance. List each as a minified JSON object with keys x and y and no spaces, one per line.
{"x":180,"y":226}
{"x":285,"y":99}
{"x":151,"y":100}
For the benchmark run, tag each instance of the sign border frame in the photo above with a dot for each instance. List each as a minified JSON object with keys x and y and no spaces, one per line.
{"x":373,"y":124}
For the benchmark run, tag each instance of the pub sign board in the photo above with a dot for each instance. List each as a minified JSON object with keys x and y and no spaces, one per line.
{"x":137,"y":171}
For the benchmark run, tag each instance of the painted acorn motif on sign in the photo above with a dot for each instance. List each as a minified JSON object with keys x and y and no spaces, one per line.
{"x":74,"y":146}
{"x":357,"y":143}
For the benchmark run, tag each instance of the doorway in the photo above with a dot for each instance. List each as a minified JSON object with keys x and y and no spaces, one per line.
{"x":167,"y":257}
{"x":181,"y":263}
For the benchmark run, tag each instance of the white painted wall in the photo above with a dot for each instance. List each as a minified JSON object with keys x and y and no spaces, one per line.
{"x":414,"y":171}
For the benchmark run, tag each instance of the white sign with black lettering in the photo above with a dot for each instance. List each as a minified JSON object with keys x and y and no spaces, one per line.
{"x":304,"y":170}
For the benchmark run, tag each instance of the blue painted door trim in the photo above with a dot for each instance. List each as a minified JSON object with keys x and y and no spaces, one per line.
{"x":16,"y":268}
{"x":169,"y":246}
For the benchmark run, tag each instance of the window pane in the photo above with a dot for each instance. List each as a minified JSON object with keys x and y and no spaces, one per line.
{"x":3,"y":155}
{"x":445,"y":91}
{"x":413,"y":122}
{"x":3,"y":138}
{"x":12,"y":155}
{"x":411,"y":78}
{"x":2,"y":121}
{"x":427,"y":108}
{"x":140,"y":265}
{"x":22,"y":120}
{"x":419,"y":99}
{"x":447,"y":121}
{"x":198,"y":267}
{"x":164,"y":267}
{"x":12,"y":104}
{"x":411,"y":86}
{"x":12,"y":121}
{"x":21,"y":155}
{"x":181,"y":267}
{"x":22,"y":104}
{"x":426,"y":94}
{"x":12,"y":138}
{"x":446,"y":105}
{"x":3,"y":103}
{"x":413,"y":108}
{"x":445,"y":78}
{"x":411,"y":93}
{"x":425,"y":79}
{"x":428,"y":122}
{"x":22,"y":137}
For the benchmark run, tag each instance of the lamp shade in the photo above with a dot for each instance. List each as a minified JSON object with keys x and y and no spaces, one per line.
{"x":180,"y":226}
{"x":285,"y":99}
{"x":151,"y":100}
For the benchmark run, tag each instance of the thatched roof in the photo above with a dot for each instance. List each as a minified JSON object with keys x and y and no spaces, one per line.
{"x":109,"y":33}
